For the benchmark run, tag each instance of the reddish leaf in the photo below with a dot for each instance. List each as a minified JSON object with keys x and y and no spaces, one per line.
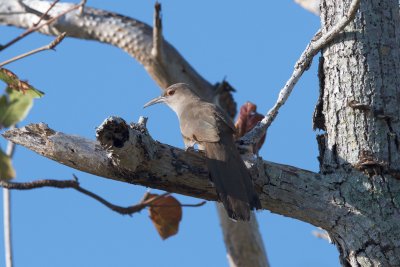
{"x":165,"y":213}
{"x":248,"y":118}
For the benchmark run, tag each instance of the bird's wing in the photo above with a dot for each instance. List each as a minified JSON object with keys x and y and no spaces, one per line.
{"x":222,"y":115}
{"x":201,"y":122}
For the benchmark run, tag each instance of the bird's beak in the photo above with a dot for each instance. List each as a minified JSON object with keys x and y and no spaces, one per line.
{"x":156,"y":100}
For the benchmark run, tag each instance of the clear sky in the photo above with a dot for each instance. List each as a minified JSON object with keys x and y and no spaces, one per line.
{"x":253,"y":45}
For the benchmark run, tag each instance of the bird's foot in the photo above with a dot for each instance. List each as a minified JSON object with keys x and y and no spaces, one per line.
{"x":190,"y":149}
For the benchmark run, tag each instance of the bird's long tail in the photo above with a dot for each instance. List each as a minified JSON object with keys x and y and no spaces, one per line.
{"x":231,"y":179}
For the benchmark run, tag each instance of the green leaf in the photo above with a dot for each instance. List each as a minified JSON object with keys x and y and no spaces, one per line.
{"x":15,"y":106}
{"x":14,"y":83}
{"x":7,"y":171}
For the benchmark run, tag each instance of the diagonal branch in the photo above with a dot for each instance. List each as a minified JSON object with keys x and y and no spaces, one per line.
{"x":128,"y":34}
{"x":128,"y":154}
{"x":50,"y":46}
{"x":319,"y":41}
{"x":134,"y":37}
{"x":37,"y":26}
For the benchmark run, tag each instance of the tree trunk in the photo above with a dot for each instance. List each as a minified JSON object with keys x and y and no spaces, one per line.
{"x":242,"y":240}
{"x":359,"y":112}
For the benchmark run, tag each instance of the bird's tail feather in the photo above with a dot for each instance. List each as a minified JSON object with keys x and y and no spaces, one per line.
{"x":231,"y":179}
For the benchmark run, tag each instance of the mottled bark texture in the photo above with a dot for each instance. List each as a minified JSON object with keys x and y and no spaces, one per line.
{"x":359,"y":112}
{"x":127,"y":153}
{"x":356,"y":197}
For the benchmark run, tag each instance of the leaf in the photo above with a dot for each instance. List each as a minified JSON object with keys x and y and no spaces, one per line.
{"x":6,"y":169}
{"x":14,"y":83}
{"x":166,"y":215}
{"x":19,"y":99}
{"x":248,"y":118}
{"x":15,"y":109}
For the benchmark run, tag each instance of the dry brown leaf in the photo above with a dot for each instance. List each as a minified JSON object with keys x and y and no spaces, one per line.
{"x":248,"y":118}
{"x":166,"y":214}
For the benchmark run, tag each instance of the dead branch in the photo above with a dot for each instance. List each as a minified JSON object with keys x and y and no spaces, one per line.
{"x":50,"y":46}
{"x":127,"y":153}
{"x":319,"y":41}
{"x":38,"y":27}
{"x":74,"y":184}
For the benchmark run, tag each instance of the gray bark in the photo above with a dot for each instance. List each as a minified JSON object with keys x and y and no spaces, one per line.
{"x":359,"y":110}
{"x":356,"y":197}
{"x":128,"y":154}
{"x":244,"y":244}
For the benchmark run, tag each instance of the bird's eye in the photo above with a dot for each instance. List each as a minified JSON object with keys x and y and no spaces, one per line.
{"x":171,"y":92}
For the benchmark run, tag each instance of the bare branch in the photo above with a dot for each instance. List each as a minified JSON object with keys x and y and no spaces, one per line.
{"x":128,"y":154}
{"x":142,"y":121}
{"x":50,"y":46}
{"x":134,"y":37}
{"x":82,"y":7}
{"x":74,"y":184}
{"x":38,"y":27}
{"x":8,"y":249}
{"x":157,"y":50}
{"x":317,"y":43}
{"x":45,"y":14}
{"x":242,"y":245}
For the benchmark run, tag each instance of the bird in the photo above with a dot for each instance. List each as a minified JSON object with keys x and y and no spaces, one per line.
{"x":204,"y":124}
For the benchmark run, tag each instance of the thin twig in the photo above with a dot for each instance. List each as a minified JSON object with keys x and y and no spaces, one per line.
{"x":157,"y":50}
{"x":45,"y":14}
{"x":50,"y":46}
{"x":142,"y":121}
{"x":181,"y":205}
{"x":82,"y":7}
{"x":74,"y":184}
{"x":318,"y":42}
{"x":8,"y":250}
{"x":35,"y":28}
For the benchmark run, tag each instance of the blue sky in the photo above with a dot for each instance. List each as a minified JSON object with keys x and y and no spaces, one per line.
{"x":253,"y":45}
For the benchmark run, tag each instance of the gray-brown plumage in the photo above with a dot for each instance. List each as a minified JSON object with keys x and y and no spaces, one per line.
{"x":205,"y":124}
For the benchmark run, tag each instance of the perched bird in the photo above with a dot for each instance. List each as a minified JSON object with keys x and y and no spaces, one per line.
{"x":204,"y":124}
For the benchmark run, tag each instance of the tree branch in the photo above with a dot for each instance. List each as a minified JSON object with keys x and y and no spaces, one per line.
{"x":8,"y":249}
{"x":319,"y":41}
{"x":45,"y":14}
{"x":157,"y":50}
{"x":135,"y":37}
{"x":36,"y":26}
{"x":128,"y":154}
{"x":74,"y":184}
{"x":50,"y":46}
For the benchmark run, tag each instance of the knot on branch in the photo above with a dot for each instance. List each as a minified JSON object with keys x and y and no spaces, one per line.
{"x":128,"y":145}
{"x":113,"y":132}
{"x":369,"y":164}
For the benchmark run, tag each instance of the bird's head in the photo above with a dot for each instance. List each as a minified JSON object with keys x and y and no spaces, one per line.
{"x":175,"y":96}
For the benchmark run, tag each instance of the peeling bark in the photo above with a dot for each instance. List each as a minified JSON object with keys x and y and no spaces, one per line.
{"x":130,"y":155}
